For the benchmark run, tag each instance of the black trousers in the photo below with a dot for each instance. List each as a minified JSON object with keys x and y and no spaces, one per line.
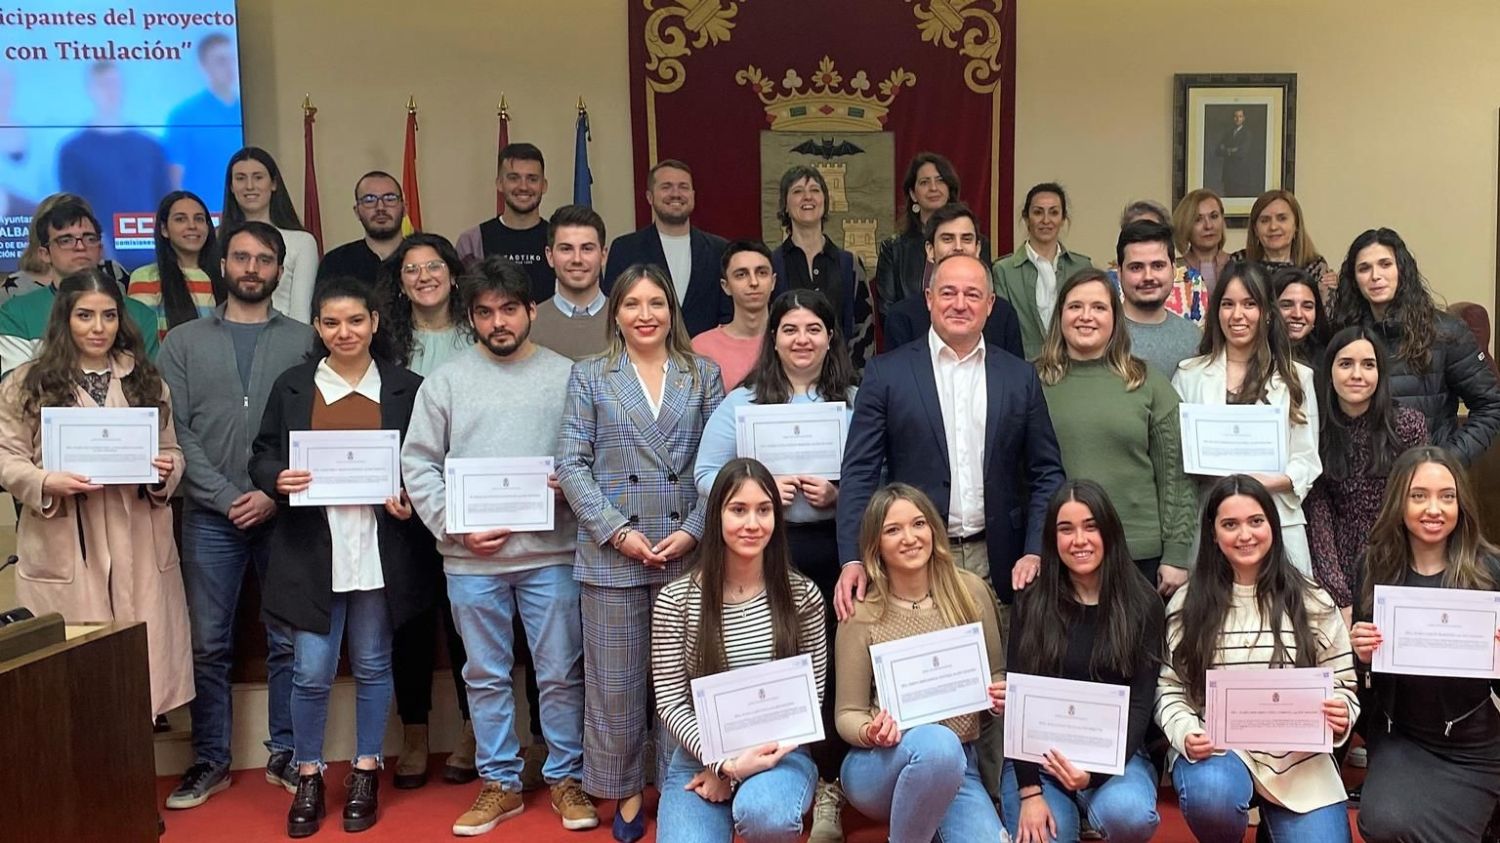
{"x":414,"y":657}
{"x":815,"y":551}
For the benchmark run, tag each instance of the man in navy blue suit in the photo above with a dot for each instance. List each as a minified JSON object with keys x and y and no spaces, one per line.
{"x":965,"y":425}
{"x":690,"y":256}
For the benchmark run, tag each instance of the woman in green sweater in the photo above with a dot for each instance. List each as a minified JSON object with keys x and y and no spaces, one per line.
{"x":1116,"y":424}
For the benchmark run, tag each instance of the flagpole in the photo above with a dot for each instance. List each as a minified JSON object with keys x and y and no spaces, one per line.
{"x":583,"y":177}
{"x":409,"y":170}
{"x":502,"y":140}
{"x":312,"y":216}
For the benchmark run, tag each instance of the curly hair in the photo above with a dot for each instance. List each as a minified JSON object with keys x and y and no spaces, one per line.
{"x":397,"y":322}
{"x":1413,"y":307}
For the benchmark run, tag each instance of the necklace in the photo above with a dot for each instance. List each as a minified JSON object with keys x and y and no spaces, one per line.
{"x":915,"y":604}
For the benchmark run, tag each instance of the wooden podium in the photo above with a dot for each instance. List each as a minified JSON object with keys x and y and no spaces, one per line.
{"x":76,"y":730}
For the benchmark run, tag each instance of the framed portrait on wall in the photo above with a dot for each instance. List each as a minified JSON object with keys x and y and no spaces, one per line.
{"x":1235,"y":134}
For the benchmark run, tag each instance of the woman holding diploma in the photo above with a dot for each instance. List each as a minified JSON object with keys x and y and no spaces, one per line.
{"x":803,"y":360}
{"x":923,"y":781}
{"x":1364,"y":431}
{"x":364,"y":569}
{"x":1086,"y":617}
{"x":630,"y":432}
{"x":1246,"y":358}
{"x":1246,"y":607}
{"x":742,"y":605}
{"x":1434,"y":741}
{"x":94,"y":553}
{"x":1116,"y":422}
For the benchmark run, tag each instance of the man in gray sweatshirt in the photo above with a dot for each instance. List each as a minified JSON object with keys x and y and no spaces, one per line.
{"x":503,"y":397}
{"x":220,"y":369}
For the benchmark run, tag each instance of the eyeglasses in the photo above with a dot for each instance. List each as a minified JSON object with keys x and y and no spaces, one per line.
{"x":412,"y":270}
{"x":370,"y":200}
{"x":73,"y":241}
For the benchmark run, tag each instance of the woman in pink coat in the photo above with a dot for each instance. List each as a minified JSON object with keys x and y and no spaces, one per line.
{"x":97,"y":553}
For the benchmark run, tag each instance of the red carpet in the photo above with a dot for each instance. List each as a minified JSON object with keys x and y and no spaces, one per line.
{"x":251,"y":811}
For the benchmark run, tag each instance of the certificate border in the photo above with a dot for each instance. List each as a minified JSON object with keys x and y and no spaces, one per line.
{"x":1388,"y":595}
{"x":1205,"y":468}
{"x":895,"y":707}
{"x":1230,"y":742}
{"x":154,"y":446}
{"x":460,"y":479}
{"x":308,"y":498}
{"x":713,"y":739}
{"x":835,"y":410}
{"x":1394,"y":611}
{"x":1118,"y":763}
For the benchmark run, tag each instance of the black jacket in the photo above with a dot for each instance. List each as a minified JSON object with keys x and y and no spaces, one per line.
{"x":1457,"y":371}
{"x":704,"y":303}
{"x":899,"y":265}
{"x":299,"y":579}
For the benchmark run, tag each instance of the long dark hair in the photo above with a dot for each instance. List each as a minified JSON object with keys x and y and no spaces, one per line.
{"x":911,"y":220}
{"x":1334,"y":439}
{"x":707,"y":645}
{"x":283,"y":215}
{"x":1413,"y":308}
{"x":1281,"y":594}
{"x":1388,"y":554}
{"x":1309,"y":347}
{"x":176,"y":300}
{"x":1050,"y":606}
{"x":52,"y":381}
{"x":1273,"y":348}
{"x":347,"y":287}
{"x":397,"y":322}
{"x":767,"y":380}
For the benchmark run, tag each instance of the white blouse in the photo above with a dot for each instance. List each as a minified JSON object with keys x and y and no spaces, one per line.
{"x":352,"y":529}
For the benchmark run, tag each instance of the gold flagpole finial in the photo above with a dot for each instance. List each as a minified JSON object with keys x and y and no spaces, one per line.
{"x":582,"y":109}
{"x":411,"y":103}
{"x":504,"y":110}
{"x":307,"y":106}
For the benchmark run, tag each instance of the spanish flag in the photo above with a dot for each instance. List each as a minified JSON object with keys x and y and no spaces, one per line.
{"x":312,"y":218}
{"x":413,"y":220}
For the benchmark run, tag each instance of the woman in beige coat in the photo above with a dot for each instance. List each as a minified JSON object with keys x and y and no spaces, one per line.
{"x":90,"y":552}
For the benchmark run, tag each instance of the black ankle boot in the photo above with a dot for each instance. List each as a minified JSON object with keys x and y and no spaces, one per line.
{"x":307,"y":807}
{"x":363,"y":802}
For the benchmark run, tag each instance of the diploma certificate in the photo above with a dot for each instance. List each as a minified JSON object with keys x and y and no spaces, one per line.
{"x":1271,"y":710}
{"x":931,"y":677}
{"x":108,"y":445}
{"x":794,"y":438}
{"x":1085,"y":721}
{"x":493,"y":493}
{"x":1437,"y":632}
{"x":739,"y":709}
{"x":349,"y":467}
{"x":1223,"y":439}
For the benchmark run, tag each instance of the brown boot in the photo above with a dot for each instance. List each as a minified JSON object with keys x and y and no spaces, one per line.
{"x":411,"y":766}
{"x":460,"y":766}
{"x":533,"y":758}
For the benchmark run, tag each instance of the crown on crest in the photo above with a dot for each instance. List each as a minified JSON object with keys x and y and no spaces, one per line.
{"x":824,"y":103}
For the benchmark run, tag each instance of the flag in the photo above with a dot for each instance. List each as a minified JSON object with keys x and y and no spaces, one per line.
{"x":583,"y":178}
{"x":413,"y":220}
{"x":502,"y":140}
{"x":312,"y":219}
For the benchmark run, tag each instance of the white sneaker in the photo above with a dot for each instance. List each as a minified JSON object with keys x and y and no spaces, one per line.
{"x":828,"y":807}
{"x":1358,"y":758}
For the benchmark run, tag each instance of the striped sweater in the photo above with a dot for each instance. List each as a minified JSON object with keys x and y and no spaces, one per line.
{"x":1299,"y":781}
{"x":747,"y":639}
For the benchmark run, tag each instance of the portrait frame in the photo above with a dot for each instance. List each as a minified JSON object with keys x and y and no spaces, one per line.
{"x":1235,"y":133}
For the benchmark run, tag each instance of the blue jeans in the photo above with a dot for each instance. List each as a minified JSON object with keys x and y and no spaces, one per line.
{"x":316,"y":660}
{"x":1215,"y":796}
{"x":484,"y":610}
{"x":927,"y":787}
{"x":214,"y":556}
{"x":767,"y":807}
{"x":1123,"y":808}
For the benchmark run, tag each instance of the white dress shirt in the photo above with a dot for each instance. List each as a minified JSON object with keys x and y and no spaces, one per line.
{"x":653,"y":401}
{"x":963,"y":396}
{"x":1046,"y":283}
{"x":352,"y":529}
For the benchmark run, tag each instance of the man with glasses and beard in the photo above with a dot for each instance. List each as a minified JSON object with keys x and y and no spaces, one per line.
{"x":519,"y":233}
{"x":220,"y":370}
{"x":504,"y":397}
{"x":380,"y":209}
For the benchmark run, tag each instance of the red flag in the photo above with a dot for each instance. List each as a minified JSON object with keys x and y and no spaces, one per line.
{"x":413,"y":220}
{"x":501,"y":142}
{"x":311,"y":216}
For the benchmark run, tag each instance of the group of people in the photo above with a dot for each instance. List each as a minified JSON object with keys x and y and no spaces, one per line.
{"x":1013,"y":459}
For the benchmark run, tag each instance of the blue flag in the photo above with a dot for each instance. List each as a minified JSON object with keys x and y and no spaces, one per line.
{"x":583,"y":178}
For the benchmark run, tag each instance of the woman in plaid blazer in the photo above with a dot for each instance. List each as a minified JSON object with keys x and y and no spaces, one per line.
{"x":629,"y":440}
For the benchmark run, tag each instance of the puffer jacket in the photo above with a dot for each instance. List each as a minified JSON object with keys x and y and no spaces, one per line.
{"x":1457,"y":372}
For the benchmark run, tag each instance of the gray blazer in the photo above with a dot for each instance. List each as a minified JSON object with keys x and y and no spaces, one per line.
{"x":618,"y":465}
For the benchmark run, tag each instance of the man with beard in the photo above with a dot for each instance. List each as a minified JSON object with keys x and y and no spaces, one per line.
{"x":519,"y":233}
{"x":220,"y":370}
{"x":573,"y":322}
{"x":1158,"y":336}
{"x":690,"y":256}
{"x":380,"y":209}
{"x":504,"y":397}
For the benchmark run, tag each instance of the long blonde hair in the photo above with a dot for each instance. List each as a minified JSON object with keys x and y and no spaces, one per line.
{"x":1053,"y":363}
{"x":950,"y":596}
{"x":679,"y":347}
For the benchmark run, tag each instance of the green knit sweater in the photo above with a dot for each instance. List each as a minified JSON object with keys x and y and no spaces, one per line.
{"x":1129,"y":443}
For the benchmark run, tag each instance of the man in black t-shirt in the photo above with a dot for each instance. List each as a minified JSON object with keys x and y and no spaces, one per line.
{"x":520,"y":232}
{"x":380,"y":208}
